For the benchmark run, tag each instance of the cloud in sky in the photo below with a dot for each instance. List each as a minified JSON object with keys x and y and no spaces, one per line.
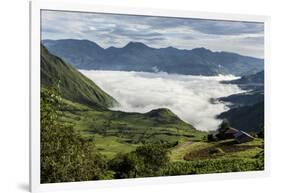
{"x":117,"y":30}
{"x":187,"y":96}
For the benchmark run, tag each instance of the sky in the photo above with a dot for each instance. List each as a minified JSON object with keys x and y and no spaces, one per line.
{"x":246,"y":38}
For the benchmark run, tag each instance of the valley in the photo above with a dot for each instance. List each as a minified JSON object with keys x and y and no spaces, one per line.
{"x":119,"y":137}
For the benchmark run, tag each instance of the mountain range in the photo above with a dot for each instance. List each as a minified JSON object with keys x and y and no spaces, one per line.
{"x":136,"y":56}
{"x":77,"y":88}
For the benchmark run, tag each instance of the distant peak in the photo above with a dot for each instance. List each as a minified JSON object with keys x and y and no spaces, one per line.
{"x":136,"y":45}
{"x":171,"y":48}
{"x":111,"y":47}
{"x":83,"y":42}
{"x":159,"y":111}
{"x":72,"y":40}
{"x":202,"y":49}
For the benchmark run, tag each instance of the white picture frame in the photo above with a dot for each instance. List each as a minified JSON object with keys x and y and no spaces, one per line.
{"x":36,"y":6}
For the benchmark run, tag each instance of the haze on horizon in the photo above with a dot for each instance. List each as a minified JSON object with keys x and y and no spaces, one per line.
{"x":245,"y":38}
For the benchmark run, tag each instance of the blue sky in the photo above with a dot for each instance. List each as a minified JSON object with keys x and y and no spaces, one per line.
{"x":117,"y":30}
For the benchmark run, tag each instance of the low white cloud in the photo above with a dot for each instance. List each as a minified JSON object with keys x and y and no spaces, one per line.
{"x":187,"y":96}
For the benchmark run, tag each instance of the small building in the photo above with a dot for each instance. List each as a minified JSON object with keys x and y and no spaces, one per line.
{"x":230,"y":133}
{"x":227,"y":133}
{"x":243,"y":137}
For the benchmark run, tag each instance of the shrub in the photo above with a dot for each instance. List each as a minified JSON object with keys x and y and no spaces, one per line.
{"x":210,"y":137}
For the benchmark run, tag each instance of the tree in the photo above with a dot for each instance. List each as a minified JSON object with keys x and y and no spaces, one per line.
{"x":210,"y":137}
{"x":153,"y":157}
{"x":124,"y":166}
{"x":147,"y":160}
{"x":65,"y":154}
{"x":224,"y":126}
{"x":261,"y":134}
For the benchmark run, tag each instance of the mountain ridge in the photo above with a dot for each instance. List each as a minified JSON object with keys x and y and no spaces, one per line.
{"x":137,"y":56}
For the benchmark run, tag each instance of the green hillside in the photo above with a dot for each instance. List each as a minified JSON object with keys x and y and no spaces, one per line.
{"x":164,"y":115}
{"x":118,"y":132}
{"x":247,"y":118}
{"x":72,"y":84}
{"x":84,"y":106}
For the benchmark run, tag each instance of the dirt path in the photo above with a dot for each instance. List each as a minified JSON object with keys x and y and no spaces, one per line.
{"x":179,"y":151}
{"x":185,"y":144}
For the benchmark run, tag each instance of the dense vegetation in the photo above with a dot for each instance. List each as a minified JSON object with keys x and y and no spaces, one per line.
{"x":66,"y":155}
{"x":146,"y":160}
{"x":212,"y":166}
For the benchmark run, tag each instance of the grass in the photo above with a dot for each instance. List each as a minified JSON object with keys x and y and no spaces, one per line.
{"x":111,"y":146}
{"x":212,"y":150}
{"x":215,"y":157}
{"x":178,"y":152}
{"x":119,"y":132}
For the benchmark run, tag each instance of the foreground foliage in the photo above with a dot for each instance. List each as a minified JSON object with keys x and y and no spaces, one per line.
{"x":153,"y":160}
{"x":211,"y":166}
{"x":66,"y":155}
{"x":146,"y":160}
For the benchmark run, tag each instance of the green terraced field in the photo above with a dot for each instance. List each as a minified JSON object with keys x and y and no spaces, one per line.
{"x":119,"y":132}
{"x":212,"y":150}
